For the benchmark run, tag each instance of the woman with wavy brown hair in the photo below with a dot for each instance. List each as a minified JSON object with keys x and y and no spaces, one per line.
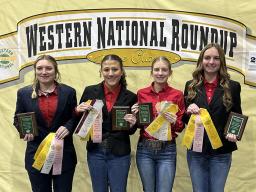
{"x":211,"y":89}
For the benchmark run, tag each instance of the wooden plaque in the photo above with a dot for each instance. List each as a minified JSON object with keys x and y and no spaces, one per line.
{"x":236,"y":124}
{"x":27,"y":124}
{"x":145,"y":114}
{"x":118,"y":122}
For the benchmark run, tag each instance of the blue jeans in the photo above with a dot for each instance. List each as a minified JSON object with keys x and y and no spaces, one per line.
{"x":108,"y":171}
{"x":156,"y":167}
{"x":208,"y":172}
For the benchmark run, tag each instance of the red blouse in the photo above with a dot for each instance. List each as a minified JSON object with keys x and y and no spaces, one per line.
{"x":210,"y":88}
{"x":111,"y":96}
{"x":175,"y":96}
{"x":48,"y":105}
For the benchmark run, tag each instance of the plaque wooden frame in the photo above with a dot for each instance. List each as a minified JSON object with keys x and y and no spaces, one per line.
{"x":118,"y":123}
{"x":236,"y":124}
{"x":27,"y":124}
{"x":145,"y":114}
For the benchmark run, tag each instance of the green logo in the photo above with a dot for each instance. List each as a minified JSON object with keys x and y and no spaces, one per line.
{"x":7,"y":58}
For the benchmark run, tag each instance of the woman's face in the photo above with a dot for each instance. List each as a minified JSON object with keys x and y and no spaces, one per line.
{"x":161,"y":72}
{"x":45,"y":72}
{"x":111,"y":72}
{"x":211,"y":61}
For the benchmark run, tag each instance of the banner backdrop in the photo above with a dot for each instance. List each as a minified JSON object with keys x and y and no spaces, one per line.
{"x":78,"y":34}
{"x":135,"y":32}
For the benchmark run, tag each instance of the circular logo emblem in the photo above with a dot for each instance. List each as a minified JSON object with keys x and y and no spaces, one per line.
{"x":7,"y":58}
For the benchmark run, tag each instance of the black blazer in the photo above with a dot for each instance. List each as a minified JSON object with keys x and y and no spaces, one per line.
{"x":63,"y":117}
{"x":119,"y":140}
{"x":217,"y":112}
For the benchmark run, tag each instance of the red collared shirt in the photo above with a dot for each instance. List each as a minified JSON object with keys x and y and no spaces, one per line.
{"x":48,"y":105}
{"x":210,"y":88}
{"x":111,"y":96}
{"x":175,"y":96}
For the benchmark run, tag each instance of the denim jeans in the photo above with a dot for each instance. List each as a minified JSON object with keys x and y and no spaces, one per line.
{"x":108,"y":171}
{"x":156,"y":167}
{"x":208,"y":172}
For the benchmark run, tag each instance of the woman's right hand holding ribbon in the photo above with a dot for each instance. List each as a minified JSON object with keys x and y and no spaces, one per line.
{"x":193,"y":109}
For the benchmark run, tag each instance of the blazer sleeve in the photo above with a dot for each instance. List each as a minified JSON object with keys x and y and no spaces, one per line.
{"x":185,"y":117}
{"x":19,"y":108}
{"x":72,"y":101}
{"x":85,"y":95}
{"x":77,"y":115}
{"x":236,"y":98}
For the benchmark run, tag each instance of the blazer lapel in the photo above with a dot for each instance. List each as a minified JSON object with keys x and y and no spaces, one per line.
{"x":202,"y":96}
{"x":217,"y":95}
{"x":121,"y":97}
{"x":39,"y":115}
{"x":99,"y":93}
{"x":62,"y":99}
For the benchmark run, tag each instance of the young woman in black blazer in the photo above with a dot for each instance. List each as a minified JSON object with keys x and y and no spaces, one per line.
{"x":109,"y":161}
{"x":212,"y":89}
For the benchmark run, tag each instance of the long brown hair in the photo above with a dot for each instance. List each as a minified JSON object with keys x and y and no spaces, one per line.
{"x":119,"y":60}
{"x":224,"y":77}
{"x":35,"y":85}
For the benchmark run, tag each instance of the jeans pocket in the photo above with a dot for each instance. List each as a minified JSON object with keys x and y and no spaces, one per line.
{"x":171,"y":148}
{"x":139,"y":145}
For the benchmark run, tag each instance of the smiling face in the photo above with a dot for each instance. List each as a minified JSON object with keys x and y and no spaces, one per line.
{"x":211,"y":62}
{"x":112,"y":72}
{"x":45,"y":72}
{"x":160,"y":72}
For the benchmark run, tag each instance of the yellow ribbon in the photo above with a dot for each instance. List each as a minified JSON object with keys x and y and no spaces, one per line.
{"x":88,"y":136}
{"x":42,"y":151}
{"x":209,"y":127}
{"x":160,"y":120}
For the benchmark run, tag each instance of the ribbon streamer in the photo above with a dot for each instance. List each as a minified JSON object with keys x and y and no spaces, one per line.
{"x":91,"y":127}
{"x":49,"y":155}
{"x":209,"y":127}
{"x":160,"y":128}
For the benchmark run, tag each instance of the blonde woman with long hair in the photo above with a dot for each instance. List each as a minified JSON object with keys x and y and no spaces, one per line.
{"x":53,"y":104}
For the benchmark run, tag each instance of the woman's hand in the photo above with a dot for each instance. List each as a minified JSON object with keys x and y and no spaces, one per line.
{"x":193,"y":109}
{"x":28,"y":137}
{"x":172,"y":118}
{"x":231,"y":137}
{"x":62,"y":132}
{"x":82,"y":107}
{"x":135,"y":108}
{"x":131,"y":119}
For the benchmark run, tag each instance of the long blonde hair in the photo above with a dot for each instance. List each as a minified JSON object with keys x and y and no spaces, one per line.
{"x":35,"y":84}
{"x":224,"y":77}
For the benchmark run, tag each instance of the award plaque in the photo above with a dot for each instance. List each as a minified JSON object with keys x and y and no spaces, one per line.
{"x":27,"y":124}
{"x":236,"y":124}
{"x":145,"y":114}
{"x":118,"y":122}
